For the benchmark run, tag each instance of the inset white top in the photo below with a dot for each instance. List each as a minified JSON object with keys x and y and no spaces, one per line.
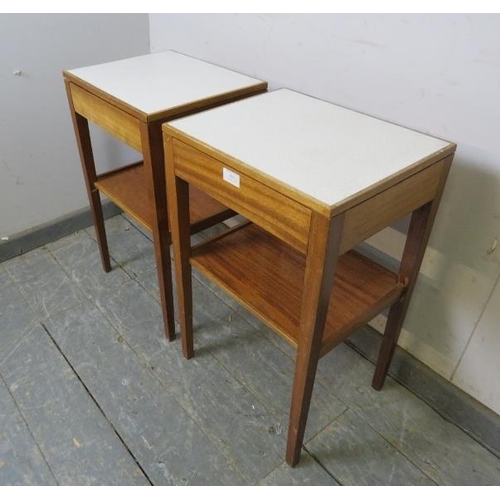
{"x":163,"y":80}
{"x":325,"y":151}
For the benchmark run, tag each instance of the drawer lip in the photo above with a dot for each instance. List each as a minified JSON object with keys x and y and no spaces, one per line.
{"x":276,"y":212}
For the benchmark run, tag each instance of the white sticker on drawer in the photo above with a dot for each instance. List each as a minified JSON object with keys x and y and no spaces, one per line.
{"x":231,"y":177}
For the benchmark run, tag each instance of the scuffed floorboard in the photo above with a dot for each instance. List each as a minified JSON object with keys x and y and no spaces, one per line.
{"x":92,"y":393}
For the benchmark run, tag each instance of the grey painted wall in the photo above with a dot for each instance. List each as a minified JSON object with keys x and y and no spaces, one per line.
{"x":40,"y":173}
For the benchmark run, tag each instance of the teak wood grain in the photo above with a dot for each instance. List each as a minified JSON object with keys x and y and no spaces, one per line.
{"x":178,"y":190}
{"x":319,"y":274}
{"x":267,"y":276}
{"x":116,"y":122}
{"x":376,"y":213}
{"x":152,"y":150}
{"x":419,"y":232}
{"x":127,"y":188}
{"x":277,"y":213}
{"x":84,"y":143}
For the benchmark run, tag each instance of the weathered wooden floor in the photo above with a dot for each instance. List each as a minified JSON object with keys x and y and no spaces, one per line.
{"x":91,"y":393}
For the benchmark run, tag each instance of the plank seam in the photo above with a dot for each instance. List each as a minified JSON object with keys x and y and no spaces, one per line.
{"x":97,"y":404}
{"x":29,"y":430}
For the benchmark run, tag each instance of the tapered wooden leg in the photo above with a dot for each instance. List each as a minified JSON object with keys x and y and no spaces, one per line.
{"x":98,"y":220}
{"x":416,"y":243}
{"x":82,"y":133}
{"x":321,"y":263}
{"x":178,"y":205}
{"x":152,"y":148}
{"x":395,"y":319}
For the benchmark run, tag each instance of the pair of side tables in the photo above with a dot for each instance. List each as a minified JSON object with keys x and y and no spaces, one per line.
{"x":311,"y":179}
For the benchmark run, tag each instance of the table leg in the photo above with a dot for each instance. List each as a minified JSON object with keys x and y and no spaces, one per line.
{"x":152,"y":149}
{"x":419,"y":231}
{"x":178,"y":204}
{"x":82,"y":133}
{"x":321,"y":263}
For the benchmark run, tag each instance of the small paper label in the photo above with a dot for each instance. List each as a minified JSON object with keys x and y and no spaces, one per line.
{"x":231,"y":177}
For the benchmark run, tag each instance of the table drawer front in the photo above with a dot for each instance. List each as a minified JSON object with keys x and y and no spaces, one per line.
{"x":376,"y":213}
{"x":269,"y":209}
{"x":115,"y":121}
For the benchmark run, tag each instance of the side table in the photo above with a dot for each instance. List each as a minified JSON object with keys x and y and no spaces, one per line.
{"x":313,"y":179}
{"x":130,"y":99}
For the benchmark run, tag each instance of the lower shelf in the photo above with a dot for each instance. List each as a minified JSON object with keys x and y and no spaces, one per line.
{"x":127,"y":187}
{"x":266,"y":276}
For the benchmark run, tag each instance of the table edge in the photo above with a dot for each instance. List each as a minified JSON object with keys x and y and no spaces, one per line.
{"x":299,"y":196}
{"x":168,"y":113}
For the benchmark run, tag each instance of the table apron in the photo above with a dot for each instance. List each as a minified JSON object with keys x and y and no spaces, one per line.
{"x":273,"y":211}
{"x":376,"y":213}
{"x":116,"y":122}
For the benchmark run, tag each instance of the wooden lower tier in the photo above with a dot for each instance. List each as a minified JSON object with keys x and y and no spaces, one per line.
{"x":128,"y":188}
{"x":267,"y":276}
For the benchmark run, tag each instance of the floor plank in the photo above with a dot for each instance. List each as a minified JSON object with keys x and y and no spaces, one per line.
{"x":43,"y":283}
{"x":356,"y":455}
{"x":162,"y":436}
{"x":445,"y":453}
{"x":308,"y":472}
{"x":79,"y":256}
{"x":21,"y":462}
{"x":17,"y":319}
{"x":131,"y":310}
{"x":128,"y":246}
{"x":258,"y":364}
{"x":77,"y":441}
{"x":219,"y":418}
{"x":250,"y":436}
{"x":4,"y":277}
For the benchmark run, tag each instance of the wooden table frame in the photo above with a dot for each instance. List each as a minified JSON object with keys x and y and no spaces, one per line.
{"x":139,"y":189}
{"x":295,"y":242}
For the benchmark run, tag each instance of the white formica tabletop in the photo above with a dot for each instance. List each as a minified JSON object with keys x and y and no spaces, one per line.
{"x":322,"y":150}
{"x":161,"y":81}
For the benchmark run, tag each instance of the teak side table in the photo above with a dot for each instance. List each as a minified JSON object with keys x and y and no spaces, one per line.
{"x":314,"y":180}
{"x":130,"y":99}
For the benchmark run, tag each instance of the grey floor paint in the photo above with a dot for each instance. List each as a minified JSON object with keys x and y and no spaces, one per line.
{"x":92,"y":393}
{"x":21,"y":461}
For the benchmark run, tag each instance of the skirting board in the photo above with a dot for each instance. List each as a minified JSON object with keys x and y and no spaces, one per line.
{"x":453,"y":404}
{"x":448,"y":400}
{"x":52,"y":231}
